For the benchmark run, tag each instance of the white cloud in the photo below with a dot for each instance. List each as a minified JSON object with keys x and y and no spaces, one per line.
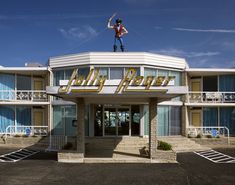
{"x":205,"y":30}
{"x":181,"y":53}
{"x":79,"y":33}
{"x":199,"y":62}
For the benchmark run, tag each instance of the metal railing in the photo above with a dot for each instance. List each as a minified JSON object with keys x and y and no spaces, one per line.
{"x":12,"y":130}
{"x":23,"y":95}
{"x":210,"y":97}
{"x":208,"y":131}
{"x":57,"y":142}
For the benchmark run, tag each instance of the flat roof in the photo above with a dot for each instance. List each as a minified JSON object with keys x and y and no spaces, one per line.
{"x":25,"y":70}
{"x":209,"y":71}
{"x":118,"y":58}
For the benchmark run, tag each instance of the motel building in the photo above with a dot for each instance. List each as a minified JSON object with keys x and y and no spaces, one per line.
{"x":97,"y":103}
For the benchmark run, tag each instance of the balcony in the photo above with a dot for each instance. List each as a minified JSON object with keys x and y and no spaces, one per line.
{"x":210,"y":97}
{"x":23,"y":95}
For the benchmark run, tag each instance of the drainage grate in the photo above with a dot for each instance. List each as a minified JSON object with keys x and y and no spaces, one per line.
{"x":17,"y":155}
{"x":215,"y":156}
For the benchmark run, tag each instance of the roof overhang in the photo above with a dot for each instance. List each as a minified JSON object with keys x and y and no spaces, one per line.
{"x":208,"y":71}
{"x":25,"y":70}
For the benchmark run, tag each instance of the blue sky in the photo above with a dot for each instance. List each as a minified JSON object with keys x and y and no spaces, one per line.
{"x":202,"y":31}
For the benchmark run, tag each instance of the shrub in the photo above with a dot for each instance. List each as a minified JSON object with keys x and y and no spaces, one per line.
{"x":199,"y":136}
{"x":209,"y":136}
{"x":17,"y":135}
{"x":25,"y":135}
{"x":189,"y":136}
{"x":68,"y":146}
{"x":164,"y":146}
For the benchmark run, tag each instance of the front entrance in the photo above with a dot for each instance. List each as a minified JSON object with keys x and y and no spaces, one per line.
{"x":117,"y":120}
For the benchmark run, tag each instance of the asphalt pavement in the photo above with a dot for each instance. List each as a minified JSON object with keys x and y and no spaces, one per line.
{"x":43,"y":168}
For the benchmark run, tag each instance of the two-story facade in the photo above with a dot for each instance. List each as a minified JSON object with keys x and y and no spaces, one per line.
{"x":23,"y":98}
{"x":210,"y":101}
{"x":103,"y":94}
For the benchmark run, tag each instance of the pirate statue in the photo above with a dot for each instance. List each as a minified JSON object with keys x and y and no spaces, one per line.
{"x":120,"y":30}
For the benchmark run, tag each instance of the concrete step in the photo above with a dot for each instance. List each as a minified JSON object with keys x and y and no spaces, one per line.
{"x":130,"y":147}
{"x":117,"y":160}
{"x":182,"y":150}
{"x":129,"y":153}
{"x":211,"y":141}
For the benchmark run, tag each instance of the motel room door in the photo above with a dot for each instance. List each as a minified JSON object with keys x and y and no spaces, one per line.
{"x":37,"y":87}
{"x":196,"y":117}
{"x":38,"y":84}
{"x":38,"y":117}
{"x":196,"y":87}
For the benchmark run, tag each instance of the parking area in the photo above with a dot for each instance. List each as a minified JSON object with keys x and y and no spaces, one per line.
{"x":215,"y":156}
{"x":17,"y":155}
{"x":43,"y":168}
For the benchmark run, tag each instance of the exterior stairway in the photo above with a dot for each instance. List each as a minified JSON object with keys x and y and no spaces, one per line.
{"x":131,"y":147}
{"x":183,"y":144}
{"x":117,"y":147}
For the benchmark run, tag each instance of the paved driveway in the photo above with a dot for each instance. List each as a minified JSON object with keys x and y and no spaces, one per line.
{"x":43,"y":168}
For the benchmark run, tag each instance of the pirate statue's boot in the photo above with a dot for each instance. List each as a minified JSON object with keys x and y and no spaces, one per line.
{"x":114,"y":48}
{"x":122,"y":48}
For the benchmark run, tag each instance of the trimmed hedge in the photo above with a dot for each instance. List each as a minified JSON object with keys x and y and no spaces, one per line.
{"x":164,"y":146}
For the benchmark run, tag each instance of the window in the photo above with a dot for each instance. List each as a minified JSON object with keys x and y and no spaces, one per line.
{"x":58,"y":75}
{"x":227,"y":83}
{"x":83,"y":71}
{"x":150,"y":72}
{"x":23,"y":115}
{"x":210,"y":83}
{"x":66,"y":74}
{"x":7,"y":85}
{"x":177,"y":75}
{"x":162,"y":72}
{"x":7,"y":117}
{"x":210,"y":116}
{"x":227,"y":118}
{"x":137,"y":70}
{"x":104,"y":71}
{"x":23,"y":82}
{"x":169,"y":120}
{"x":63,"y":118}
{"x":116,"y":73}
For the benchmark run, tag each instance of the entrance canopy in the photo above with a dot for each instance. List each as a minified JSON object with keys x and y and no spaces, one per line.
{"x":131,"y":86}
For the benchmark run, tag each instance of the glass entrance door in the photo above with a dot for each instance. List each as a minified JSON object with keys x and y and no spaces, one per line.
{"x":110,"y":122}
{"x":123,"y":121}
{"x":116,"y":121}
